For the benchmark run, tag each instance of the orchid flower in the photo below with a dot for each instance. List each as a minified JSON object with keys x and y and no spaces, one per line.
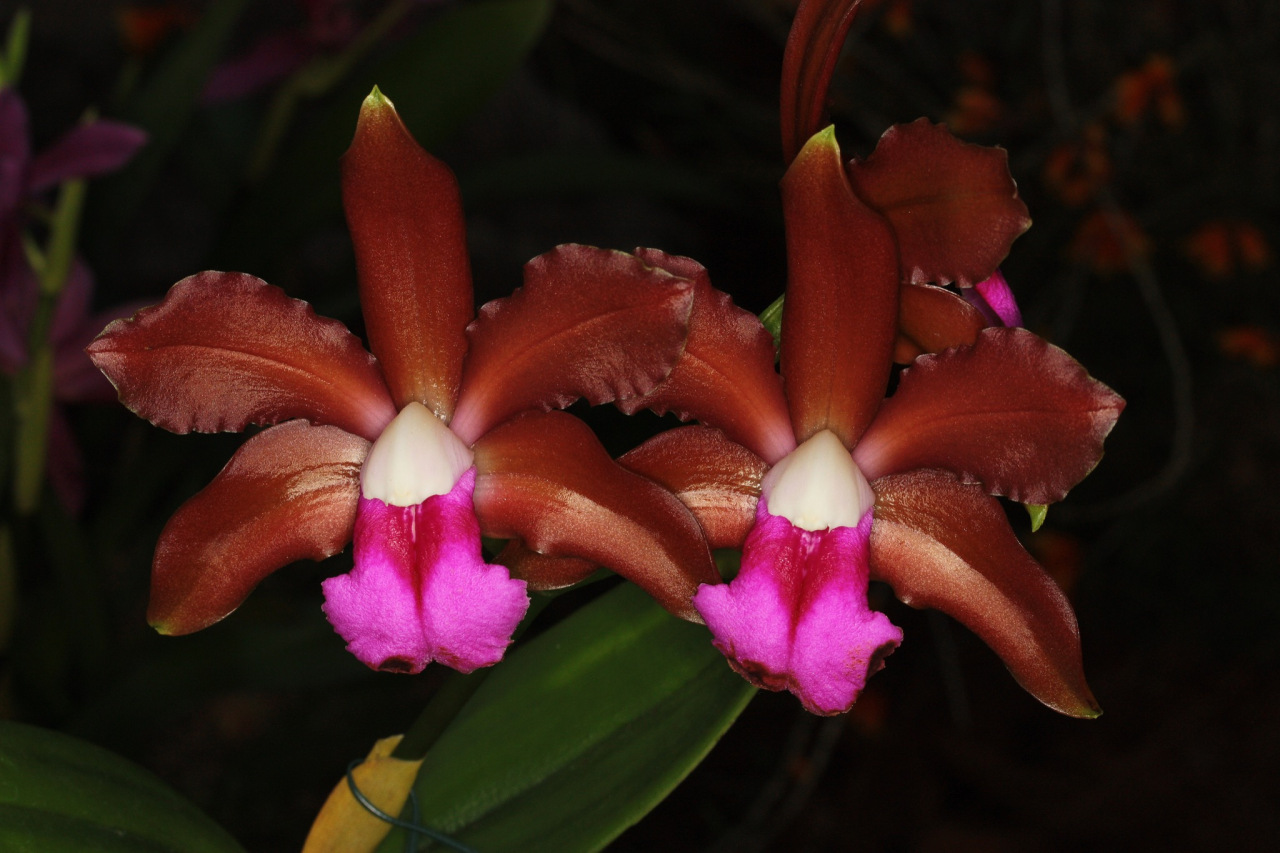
{"x":416,"y":449}
{"x":830,"y":485}
{"x":90,"y":149}
{"x":953,"y":207}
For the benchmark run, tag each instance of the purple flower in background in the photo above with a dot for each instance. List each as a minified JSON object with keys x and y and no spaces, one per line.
{"x":93,"y":148}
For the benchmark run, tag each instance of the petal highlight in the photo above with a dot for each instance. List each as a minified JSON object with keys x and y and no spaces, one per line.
{"x":1012,"y":412}
{"x":225,"y":350}
{"x":405,"y":214}
{"x":420,"y":591}
{"x":288,"y":493}
{"x":841,"y":312}
{"x":796,"y":616}
{"x":726,"y":377}
{"x":943,"y":544}
{"x":587,"y":323}
{"x":545,"y":479}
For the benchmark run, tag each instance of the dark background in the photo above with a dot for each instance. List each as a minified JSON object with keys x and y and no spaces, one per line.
{"x":1144,"y":138}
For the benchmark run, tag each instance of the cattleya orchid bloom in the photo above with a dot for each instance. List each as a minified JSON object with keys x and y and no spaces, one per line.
{"x":952,"y":206}
{"x":830,"y":485}
{"x":414,"y":450}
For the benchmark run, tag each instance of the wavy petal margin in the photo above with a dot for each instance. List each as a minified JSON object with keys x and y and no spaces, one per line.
{"x":718,"y":480}
{"x":945,"y":545}
{"x":953,"y":205}
{"x":1012,"y":412}
{"x":225,"y":350}
{"x":932,"y":319}
{"x":813,"y":48}
{"x":405,"y":214}
{"x":841,"y":315}
{"x":544,"y":478}
{"x":288,"y":493}
{"x":588,"y":323}
{"x":726,"y":377}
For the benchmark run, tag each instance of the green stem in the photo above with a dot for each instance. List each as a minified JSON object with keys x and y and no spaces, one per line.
{"x":33,"y":386}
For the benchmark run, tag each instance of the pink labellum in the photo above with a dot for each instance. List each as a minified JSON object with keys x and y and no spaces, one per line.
{"x":1012,"y":412}
{"x":587,"y":323}
{"x":545,"y":479}
{"x":841,"y":313}
{"x":932,"y":319}
{"x":796,"y":616}
{"x":420,"y":590}
{"x":945,"y":545}
{"x":405,"y":214}
{"x":726,"y":377}
{"x":225,"y":350}
{"x":718,"y":480}
{"x":289,"y":493}
{"x":953,"y":205}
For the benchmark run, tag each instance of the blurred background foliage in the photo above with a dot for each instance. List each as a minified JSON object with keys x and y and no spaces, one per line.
{"x":1144,"y":139}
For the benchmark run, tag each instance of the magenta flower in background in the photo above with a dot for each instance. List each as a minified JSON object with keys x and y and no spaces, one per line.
{"x":439,"y":435}
{"x":90,"y":149}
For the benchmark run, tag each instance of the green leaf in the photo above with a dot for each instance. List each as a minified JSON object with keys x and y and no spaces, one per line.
{"x":61,"y":794}
{"x":436,"y":78}
{"x":1038,"y":512}
{"x":578,"y":734}
{"x":771,"y":319}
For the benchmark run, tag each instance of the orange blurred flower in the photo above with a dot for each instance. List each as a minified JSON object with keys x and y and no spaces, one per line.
{"x":1107,"y":243}
{"x":1253,"y":344}
{"x":1220,"y":247}
{"x":1150,"y":87}
{"x":1075,"y":170}
{"x":144,"y":27}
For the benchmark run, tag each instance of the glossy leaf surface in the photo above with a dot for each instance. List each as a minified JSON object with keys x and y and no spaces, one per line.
{"x":544,"y":478}
{"x":945,"y":545}
{"x":289,"y":493}
{"x":613,"y":707}
{"x":841,"y":313}
{"x":587,"y":323}
{"x":953,"y":205}
{"x":225,"y":350}
{"x":1012,"y":412}
{"x":405,"y":216}
{"x":62,"y":795}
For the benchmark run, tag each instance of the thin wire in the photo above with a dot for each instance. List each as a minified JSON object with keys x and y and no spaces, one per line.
{"x":412,"y":827}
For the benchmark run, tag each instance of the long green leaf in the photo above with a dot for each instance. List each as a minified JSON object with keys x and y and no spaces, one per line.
{"x":436,"y":78}
{"x":61,"y":794}
{"x":579,"y":734}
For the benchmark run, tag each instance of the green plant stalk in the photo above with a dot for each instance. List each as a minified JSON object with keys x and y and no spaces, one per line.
{"x":33,"y":386}
{"x":313,"y":80}
{"x":15,"y":53}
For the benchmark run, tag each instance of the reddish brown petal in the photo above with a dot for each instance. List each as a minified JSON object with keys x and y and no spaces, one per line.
{"x":813,"y":47}
{"x":225,"y":350}
{"x":1012,"y":412}
{"x":726,"y":377}
{"x":541,"y":572}
{"x":290,"y":492}
{"x":717,"y":479}
{"x":405,"y":215}
{"x":587,"y":323}
{"x":931,"y":319}
{"x":953,"y":205}
{"x":841,"y":312}
{"x":545,"y":479}
{"x":948,"y":546}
